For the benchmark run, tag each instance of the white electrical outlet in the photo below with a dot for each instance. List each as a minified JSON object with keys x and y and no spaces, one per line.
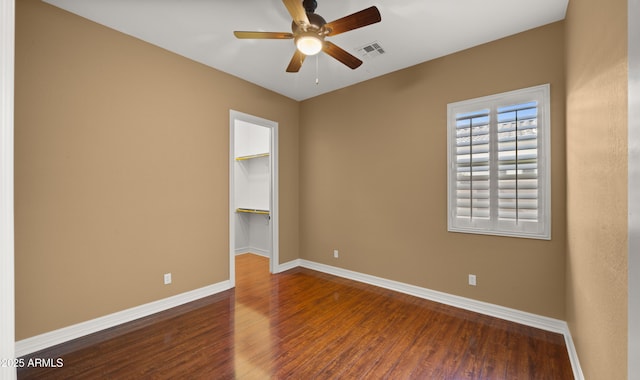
{"x":472,"y":279}
{"x":335,"y":253}
{"x":167,"y":278}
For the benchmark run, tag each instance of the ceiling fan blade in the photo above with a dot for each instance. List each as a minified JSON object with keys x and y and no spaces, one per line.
{"x":356,"y":20}
{"x":264,"y":35}
{"x":341,"y":55}
{"x":296,"y":62}
{"x":297,"y":12}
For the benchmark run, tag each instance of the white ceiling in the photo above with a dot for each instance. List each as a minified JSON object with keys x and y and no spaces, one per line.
{"x":411,"y":32}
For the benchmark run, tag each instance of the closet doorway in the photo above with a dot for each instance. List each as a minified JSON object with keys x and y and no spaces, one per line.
{"x":253,"y":189}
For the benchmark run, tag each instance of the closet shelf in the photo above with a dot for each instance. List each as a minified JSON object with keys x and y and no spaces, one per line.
{"x":243,"y":158}
{"x":253,"y":211}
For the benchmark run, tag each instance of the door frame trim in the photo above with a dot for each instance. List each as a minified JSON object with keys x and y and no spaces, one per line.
{"x":7,"y":240}
{"x":273,"y":161}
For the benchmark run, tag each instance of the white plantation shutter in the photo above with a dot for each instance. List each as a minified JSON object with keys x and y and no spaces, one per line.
{"x":518,"y":162}
{"x":473,"y":165}
{"x":499,"y":164}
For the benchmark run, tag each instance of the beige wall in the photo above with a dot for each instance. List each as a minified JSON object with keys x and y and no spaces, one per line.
{"x":596,"y":38}
{"x":374,"y":177}
{"x":121,"y":164}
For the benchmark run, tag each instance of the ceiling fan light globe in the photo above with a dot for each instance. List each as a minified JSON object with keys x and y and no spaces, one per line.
{"x":309,"y":44}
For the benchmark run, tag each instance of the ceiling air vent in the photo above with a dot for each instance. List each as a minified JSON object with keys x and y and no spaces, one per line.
{"x":371,"y":50}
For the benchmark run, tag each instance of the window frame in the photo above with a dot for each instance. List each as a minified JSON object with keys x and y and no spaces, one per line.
{"x":493,"y":226}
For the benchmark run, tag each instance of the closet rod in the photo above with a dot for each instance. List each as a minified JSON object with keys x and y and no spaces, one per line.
{"x":253,"y":211}
{"x":252,"y":156}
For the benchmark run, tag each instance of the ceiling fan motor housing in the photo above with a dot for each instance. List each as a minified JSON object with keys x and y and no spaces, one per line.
{"x":316,"y":24}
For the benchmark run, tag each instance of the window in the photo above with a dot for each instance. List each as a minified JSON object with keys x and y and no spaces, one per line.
{"x":499,"y":156}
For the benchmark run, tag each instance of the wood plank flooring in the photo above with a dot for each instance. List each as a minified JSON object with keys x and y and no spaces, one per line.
{"x":302,"y":324}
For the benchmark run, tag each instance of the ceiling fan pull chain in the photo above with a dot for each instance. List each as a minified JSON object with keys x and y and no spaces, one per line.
{"x":317,"y":79}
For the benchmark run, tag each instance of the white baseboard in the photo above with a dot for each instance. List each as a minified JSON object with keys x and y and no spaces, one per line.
{"x":513,"y":315}
{"x":65,"y":334}
{"x":573,"y":356}
{"x":288,"y":265}
{"x":256,"y":251}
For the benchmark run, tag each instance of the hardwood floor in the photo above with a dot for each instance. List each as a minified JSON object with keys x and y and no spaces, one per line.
{"x":302,"y":324}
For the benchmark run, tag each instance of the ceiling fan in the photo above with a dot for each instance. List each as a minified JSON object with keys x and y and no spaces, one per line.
{"x":310,"y":29}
